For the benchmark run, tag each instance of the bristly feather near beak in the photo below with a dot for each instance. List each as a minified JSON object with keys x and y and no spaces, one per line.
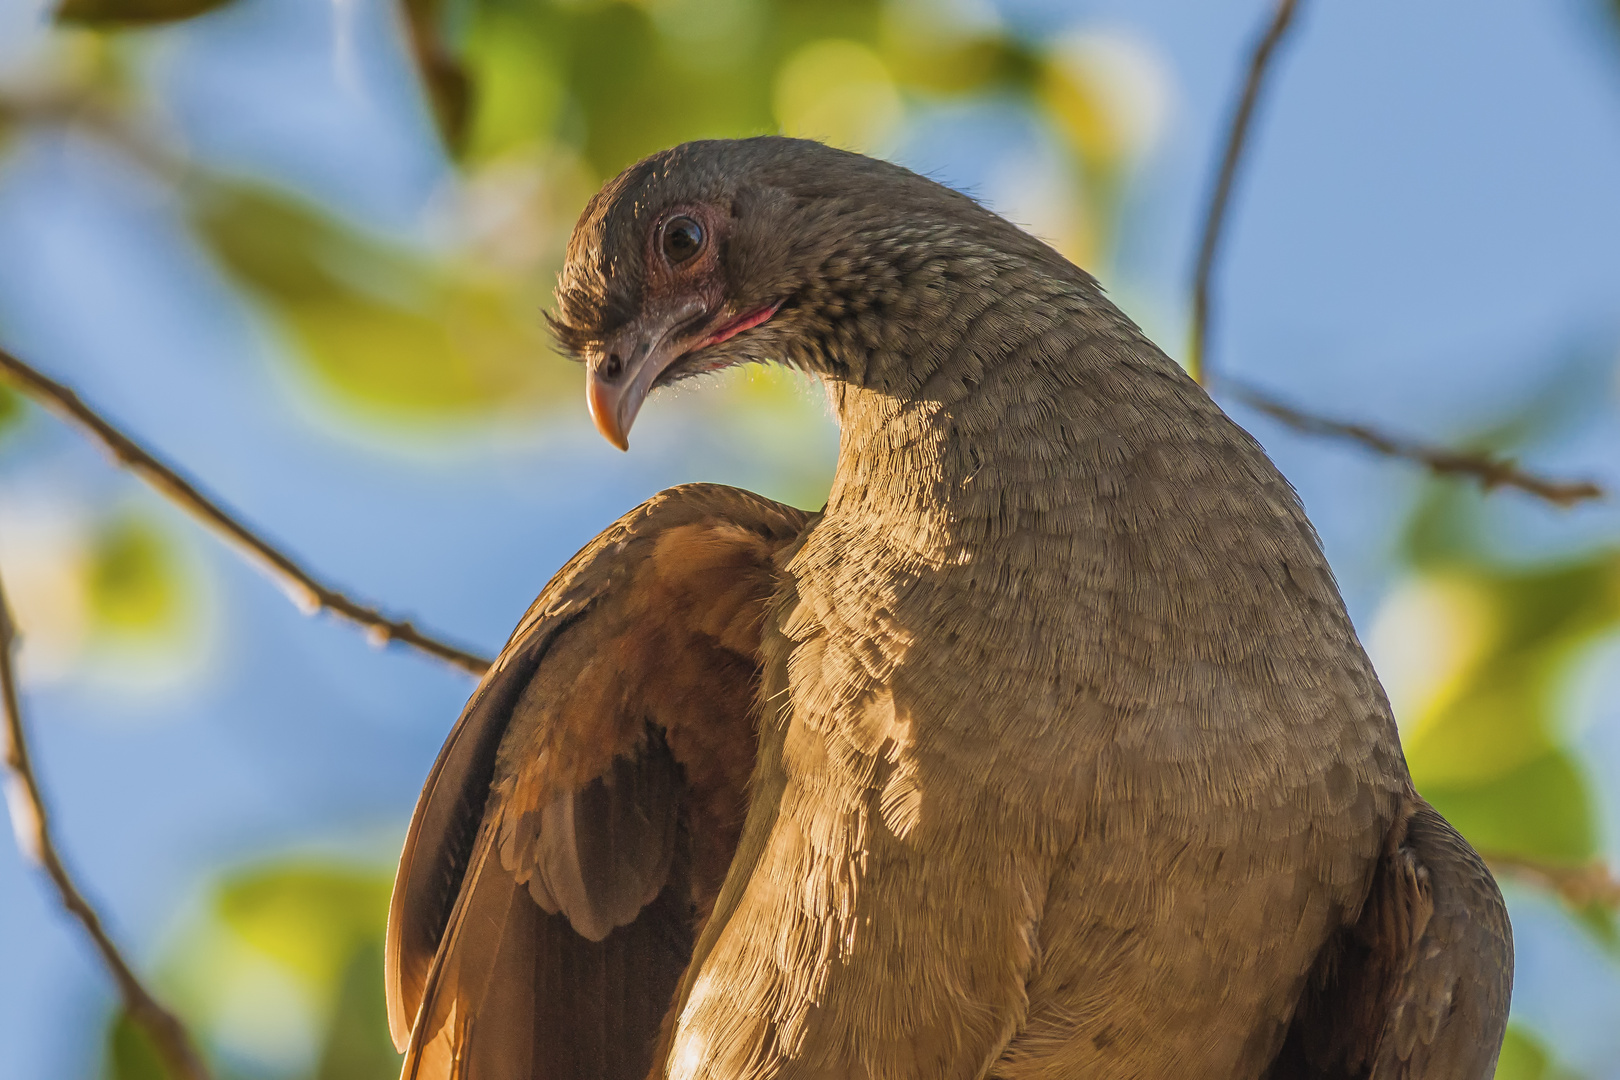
{"x":628,"y":366}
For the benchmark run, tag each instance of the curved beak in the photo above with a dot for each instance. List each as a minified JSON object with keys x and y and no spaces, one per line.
{"x":623,"y":372}
{"x":604,"y":405}
{"x":619,"y":380}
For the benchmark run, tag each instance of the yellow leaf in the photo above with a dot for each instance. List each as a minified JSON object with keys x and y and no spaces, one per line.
{"x":837,"y":91}
{"x":135,"y":586}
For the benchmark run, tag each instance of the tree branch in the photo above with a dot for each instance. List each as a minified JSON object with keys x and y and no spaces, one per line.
{"x":305,"y":590}
{"x":1490,"y":471}
{"x":1579,"y":886}
{"x":1237,"y":140}
{"x":32,"y":827}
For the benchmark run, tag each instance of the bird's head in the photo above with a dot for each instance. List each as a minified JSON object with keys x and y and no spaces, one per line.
{"x":723,"y":252}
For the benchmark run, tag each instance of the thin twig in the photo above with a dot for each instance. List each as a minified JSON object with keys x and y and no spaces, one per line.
{"x":77,"y":107}
{"x":308,"y":593}
{"x":1580,"y":886}
{"x":1489,"y":470}
{"x":31,"y":824}
{"x":1237,"y":139}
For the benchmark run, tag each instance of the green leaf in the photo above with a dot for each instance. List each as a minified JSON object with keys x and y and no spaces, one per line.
{"x":1507,"y":713}
{"x":520,"y":90}
{"x":1493,"y":757}
{"x":1445,"y":526}
{"x":358,"y":1046}
{"x":114,"y":14}
{"x":635,"y":78}
{"x":130,"y":1053}
{"x":389,"y":330}
{"x":290,"y":949}
{"x":1525,"y":1058}
{"x":962,"y":65}
{"x":1486,"y":734}
{"x":1599,"y":920}
{"x":12,"y":410}
{"x":1544,"y":809}
{"x":309,"y":918}
{"x":135,"y":582}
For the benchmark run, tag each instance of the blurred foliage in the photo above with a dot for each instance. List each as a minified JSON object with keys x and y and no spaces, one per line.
{"x":357,"y":1045}
{"x":387,"y":328}
{"x":599,"y":85}
{"x":308,"y":918}
{"x":1489,"y":747}
{"x":135,"y":582}
{"x":542,"y":100}
{"x":108,"y":590}
{"x":619,"y":80}
{"x":130,"y":1054}
{"x":285,"y":972}
{"x":130,"y":13}
{"x":12,"y":410}
{"x":1525,"y":1058}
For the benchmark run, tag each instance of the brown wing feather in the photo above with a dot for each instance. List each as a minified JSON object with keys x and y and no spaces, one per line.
{"x":517,"y":993}
{"x":444,"y":827}
{"x":603,"y":852}
{"x":1419,"y":988}
{"x":585,"y":807}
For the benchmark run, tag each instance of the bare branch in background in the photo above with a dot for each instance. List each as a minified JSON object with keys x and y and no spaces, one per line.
{"x":1237,"y":140}
{"x":306,"y":591}
{"x":31,"y":824}
{"x":70,"y":108}
{"x":446,"y":80}
{"x":1490,"y":471}
{"x":1579,"y":886}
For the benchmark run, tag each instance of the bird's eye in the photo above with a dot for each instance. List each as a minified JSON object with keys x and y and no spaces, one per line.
{"x":683,"y":238}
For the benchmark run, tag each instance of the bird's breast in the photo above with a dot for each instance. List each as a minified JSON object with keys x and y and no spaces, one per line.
{"x":1085,"y":673}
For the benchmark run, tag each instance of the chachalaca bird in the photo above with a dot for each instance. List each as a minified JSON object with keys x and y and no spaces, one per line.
{"x":1045,"y":750}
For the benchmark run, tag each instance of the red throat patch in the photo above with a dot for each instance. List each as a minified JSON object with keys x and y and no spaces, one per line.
{"x":738,"y":325}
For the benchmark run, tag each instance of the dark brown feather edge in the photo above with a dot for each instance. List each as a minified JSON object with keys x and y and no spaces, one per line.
{"x":447,"y":816}
{"x":535,"y":999}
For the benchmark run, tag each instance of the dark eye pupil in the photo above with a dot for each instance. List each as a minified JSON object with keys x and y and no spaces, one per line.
{"x":683,"y":238}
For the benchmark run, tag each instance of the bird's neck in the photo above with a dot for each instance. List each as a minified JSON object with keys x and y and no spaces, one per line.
{"x":1009,"y":412}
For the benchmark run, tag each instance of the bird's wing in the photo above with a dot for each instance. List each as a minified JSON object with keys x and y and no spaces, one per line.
{"x":585,"y":807}
{"x":1418,"y":989}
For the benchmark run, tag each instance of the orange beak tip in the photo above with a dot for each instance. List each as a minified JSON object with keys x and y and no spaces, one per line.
{"x":604,"y":413}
